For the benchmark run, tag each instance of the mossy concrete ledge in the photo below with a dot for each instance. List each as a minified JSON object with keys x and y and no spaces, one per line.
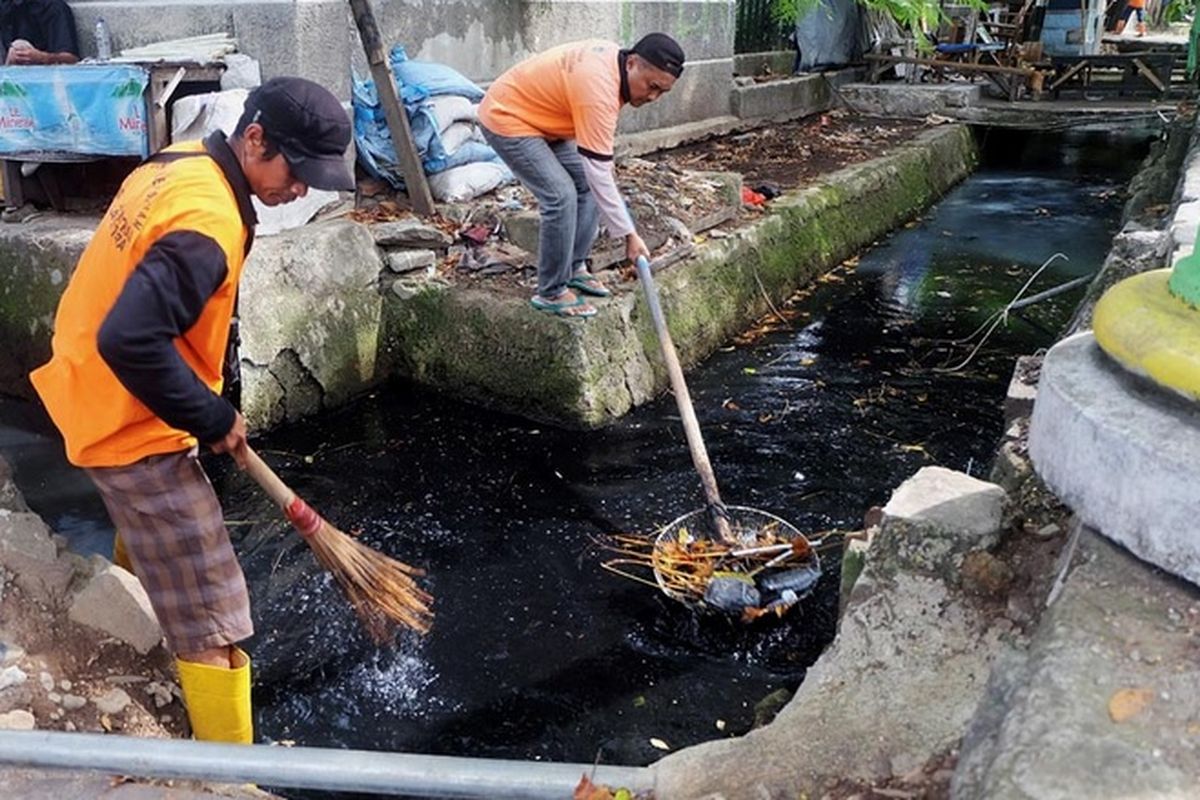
{"x":37,"y":259}
{"x":310,"y":312}
{"x":494,"y":349}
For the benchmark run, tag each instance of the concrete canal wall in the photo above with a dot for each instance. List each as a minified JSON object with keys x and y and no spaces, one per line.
{"x":1029,"y":673}
{"x":317,"y":329}
{"x":494,"y":350}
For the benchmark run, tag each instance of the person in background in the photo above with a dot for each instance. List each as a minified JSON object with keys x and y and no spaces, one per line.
{"x":553,"y":120}
{"x":1134,"y":8}
{"x":38,"y":32}
{"x":134,"y":379}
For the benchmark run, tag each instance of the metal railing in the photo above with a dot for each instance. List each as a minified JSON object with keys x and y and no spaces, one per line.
{"x":310,"y":767}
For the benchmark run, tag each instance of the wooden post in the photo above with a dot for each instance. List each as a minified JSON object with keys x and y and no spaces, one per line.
{"x":397,"y":120}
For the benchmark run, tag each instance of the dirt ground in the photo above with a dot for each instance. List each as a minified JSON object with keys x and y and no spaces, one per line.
{"x":793,"y":154}
{"x":673,"y":194}
{"x":64,"y":660}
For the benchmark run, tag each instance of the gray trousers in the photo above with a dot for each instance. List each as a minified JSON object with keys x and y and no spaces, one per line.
{"x":553,"y":171}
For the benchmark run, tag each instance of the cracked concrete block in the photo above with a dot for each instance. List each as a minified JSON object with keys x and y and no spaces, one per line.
{"x":310,"y":312}
{"x":27,"y":550}
{"x":410,"y":260}
{"x":522,"y":229}
{"x":410,"y":233}
{"x":114,"y":603}
{"x":935,"y":519}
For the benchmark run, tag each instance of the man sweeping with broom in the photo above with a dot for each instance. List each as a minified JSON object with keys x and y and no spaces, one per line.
{"x":136,"y":373}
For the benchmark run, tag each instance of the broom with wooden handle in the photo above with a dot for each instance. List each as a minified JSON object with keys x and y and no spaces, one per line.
{"x":381,"y":589}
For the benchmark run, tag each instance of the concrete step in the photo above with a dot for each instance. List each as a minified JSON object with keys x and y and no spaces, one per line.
{"x":1105,"y":703}
{"x":66,"y":785}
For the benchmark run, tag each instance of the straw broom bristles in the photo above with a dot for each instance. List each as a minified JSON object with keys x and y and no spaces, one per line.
{"x":380,"y":589}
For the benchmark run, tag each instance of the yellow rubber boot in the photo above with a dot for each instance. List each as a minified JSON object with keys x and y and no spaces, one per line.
{"x":120,"y":554}
{"x":218,"y":700}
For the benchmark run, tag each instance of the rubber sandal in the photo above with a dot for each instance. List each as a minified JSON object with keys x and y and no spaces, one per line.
{"x":589,"y":284}
{"x":576,"y":307}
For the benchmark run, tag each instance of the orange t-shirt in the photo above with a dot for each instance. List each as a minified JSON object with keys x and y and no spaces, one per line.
{"x":572,"y":91}
{"x":1137,"y":3}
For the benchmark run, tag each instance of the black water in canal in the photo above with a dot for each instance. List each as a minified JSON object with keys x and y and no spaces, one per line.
{"x":536,"y":652}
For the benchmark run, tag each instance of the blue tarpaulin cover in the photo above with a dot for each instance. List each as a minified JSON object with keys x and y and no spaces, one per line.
{"x":417,"y":83}
{"x":86,"y":109}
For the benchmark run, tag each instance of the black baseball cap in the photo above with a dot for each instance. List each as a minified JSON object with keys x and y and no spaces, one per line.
{"x":662,"y":51}
{"x":309,"y":126}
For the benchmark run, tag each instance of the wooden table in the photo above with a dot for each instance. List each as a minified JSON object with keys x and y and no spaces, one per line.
{"x":165,"y":79}
{"x":1008,"y":79}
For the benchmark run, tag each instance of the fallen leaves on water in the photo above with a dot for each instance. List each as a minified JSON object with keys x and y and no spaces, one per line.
{"x":586,"y":790}
{"x":1125,"y":704}
{"x":915,"y":448}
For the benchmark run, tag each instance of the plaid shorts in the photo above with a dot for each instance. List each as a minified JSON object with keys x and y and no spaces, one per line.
{"x":169,"y":519}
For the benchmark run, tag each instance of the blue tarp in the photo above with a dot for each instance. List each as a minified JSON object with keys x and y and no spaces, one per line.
{"x":828,"y":35}
{"x":82,"y":108}
{"x":416,"y":82}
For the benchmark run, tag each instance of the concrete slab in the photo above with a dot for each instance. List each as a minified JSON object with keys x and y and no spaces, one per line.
{"x":768,"y":62}
{"x":1104,"y":703}
{"x":1120,"y":452}
{"x":784,"y":98}
{"x":966,"y":102}
{"x":909,"y":100}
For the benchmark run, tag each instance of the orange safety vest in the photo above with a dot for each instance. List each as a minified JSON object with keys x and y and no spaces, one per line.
{"x":102,"y":424}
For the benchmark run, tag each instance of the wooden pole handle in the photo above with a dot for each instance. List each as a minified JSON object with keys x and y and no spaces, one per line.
{"x":415,"y":182}
{"x":265,"y":477}
{"x":683,"y":399}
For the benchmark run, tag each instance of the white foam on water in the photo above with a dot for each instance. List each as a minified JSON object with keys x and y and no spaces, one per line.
{"x":401,"y":683}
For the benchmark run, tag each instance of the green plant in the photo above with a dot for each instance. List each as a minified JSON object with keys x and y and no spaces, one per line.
{"x":915,"y":16}
{"x":1176,"y":11}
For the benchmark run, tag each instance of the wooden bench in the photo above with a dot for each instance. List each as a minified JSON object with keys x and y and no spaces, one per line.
{"x":1010,"y":80}
{"x":1124,"y":74}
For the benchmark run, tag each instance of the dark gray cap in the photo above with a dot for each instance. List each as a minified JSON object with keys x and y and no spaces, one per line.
{"x":309,"y":126}
{"x":662,"y":51}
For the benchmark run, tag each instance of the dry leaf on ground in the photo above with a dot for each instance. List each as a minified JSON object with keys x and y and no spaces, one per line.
{"x":1125,"y":704}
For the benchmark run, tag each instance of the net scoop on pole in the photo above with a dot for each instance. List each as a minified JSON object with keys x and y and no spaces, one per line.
{"x":732,"y":527}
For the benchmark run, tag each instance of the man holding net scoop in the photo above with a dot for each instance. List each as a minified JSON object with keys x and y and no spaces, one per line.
{"x":553,"y":120}
{"x":135,"y":377}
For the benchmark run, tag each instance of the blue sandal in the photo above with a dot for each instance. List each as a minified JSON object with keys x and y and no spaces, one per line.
{"x":564,"y":307}
{"x":589,"y":284}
